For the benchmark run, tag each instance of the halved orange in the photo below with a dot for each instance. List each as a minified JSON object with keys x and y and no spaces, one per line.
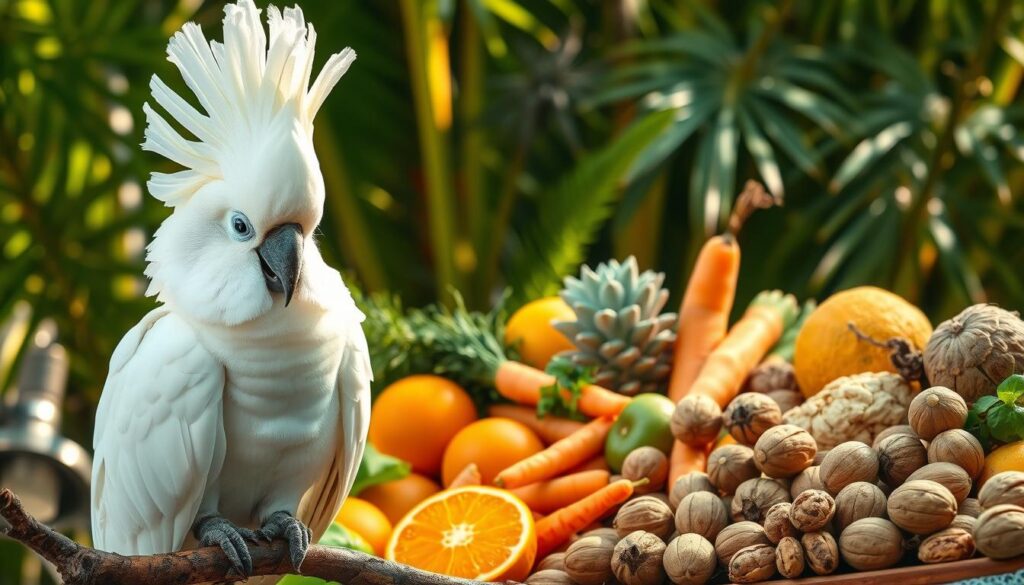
{"x":474,"y":532}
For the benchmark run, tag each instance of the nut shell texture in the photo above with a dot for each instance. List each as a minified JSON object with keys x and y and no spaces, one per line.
{"x":784,"y":451}
{"x":752,"y":564}
{"x":731,"y":465}
{"x":1003,"y":488}
{"x":936,"y":409}
{"x":701,"y":513}
{"x":871,"y":543}
{"x":921,"y":507}
{"x":999,"y":532}
{"x":690,"y":560}
{"x":847,"y":463}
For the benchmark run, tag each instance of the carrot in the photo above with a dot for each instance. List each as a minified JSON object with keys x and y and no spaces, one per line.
{"x":470,"y":475}
{"x":704,"y":313}
{"x":563,"y":455}
{"x":683,"y":460}
{"x":598,"y":462}
{"x":558,"y":526}
{"x":521,"y":383}
{"x":548,"y":496}
{"x":548,"y":428}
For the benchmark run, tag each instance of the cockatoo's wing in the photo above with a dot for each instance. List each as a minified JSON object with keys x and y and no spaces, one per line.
{"x":159,"y":437}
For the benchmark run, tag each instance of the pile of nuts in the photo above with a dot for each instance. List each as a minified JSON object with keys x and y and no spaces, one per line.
{"x":772,"y":506}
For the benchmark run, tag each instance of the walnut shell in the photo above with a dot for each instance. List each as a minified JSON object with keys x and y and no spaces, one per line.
{"x":588,"y":561}
{"x":821,"y":552}
{"x":777,"y":524}
{"x":921,"y":506}
{"x":749,"y":415}
{"x":871,"y":543}
{"x":736,"y":536}
{"x":936,"y":409}
{"x":951,"y":544}
{"x":555,"y":561}
{"x":646,"y":462}
{"x":857,"y":501}
{"x":999,"y":531}
{"x":694,"y":481}
{"x":898,"y":456}
{"x":959,"y":447}
{"x":731,"y":465}
{"x":784,"y":451}
{"x":808,"y":479}
{"x":645,"y":513}
{"x":701,"y":513}
{"x":964,"y":522}
{"x":812,"y":510}
{"x":890,"y":431}
{"x":772,"y":374}
{"x":696,"y":420}
{"x":549,"y":577}
{"x":637,"y":559}
{"x":970,"y":507}
{"x":755,"y":496}
{"x":786,"y":399}
{"x":690,"y":560}
{"x":1003,"y":488}
{"x":752,"y":564}
{"x":952,"y":476}
{"x":847,"y":463}
{"x":789,"y":557}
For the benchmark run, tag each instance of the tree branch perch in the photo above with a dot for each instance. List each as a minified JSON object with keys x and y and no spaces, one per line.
{"x":81,"y":565}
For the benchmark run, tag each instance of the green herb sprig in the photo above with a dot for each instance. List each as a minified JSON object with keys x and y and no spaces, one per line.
{"x":999,"y":419}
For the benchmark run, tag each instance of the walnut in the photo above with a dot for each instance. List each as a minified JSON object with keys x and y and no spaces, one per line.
{"x":893,"y":430}
{"x":694,"y":481}
{"x":951,"y":544}
{"x":812,"y":510}
{"x":588,"y":561}
{"x":921,"y":506}
{"x":786,"y":399}
{"x":754,"y":497}
{"x":808,"y":479}
{"x":731,"y":465}
{"x":871,"y":543}
{"x":644,"y":513}
{"x":950,"y":475}
{"x":999,"y":531}
{"x":749,"y":415}
{"x":736,"y":536}
{"x":847,"y":463}
{"x":821,"y":552}
{"x":549,"y":577}
{"x":936,"y":409}
{"x":646,"y":462}
{"x":752,"y":564}
{"x":701,"y":513}
{"x":960,"y":447}
{"x":772,"y":374}
{"x":857,"y":501}
{"x":964,"y":521}
{"x":637,"y":559}
{"x":777,"y":524}
{"x":898,"y":456}
{"x":784,"y":451}
{"x":970,"y":506}
{"x":789,"y":557}
{"x":553,"y":561}
{"x":690,"y":560}
{"x":696,"y":420}
{"x":1002,"y":488}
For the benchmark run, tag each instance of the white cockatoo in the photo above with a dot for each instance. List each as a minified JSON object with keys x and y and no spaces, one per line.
{"x":238,"y":409}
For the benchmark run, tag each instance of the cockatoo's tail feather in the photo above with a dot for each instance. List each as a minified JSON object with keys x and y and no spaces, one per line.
{"x":242,"y":84}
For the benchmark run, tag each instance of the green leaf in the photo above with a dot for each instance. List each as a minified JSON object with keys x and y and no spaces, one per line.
{"x":1011,"y":389}
{"x":1006,"y":422}
{"x":376,"y":468}
{"x":570,"y":378}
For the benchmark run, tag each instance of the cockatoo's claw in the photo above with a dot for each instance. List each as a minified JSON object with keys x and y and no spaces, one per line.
{"x":284,"y":525}
{"x":217,"y":531}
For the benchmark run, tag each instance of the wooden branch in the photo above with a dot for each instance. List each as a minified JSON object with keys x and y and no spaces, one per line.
{"x":81,"y":565}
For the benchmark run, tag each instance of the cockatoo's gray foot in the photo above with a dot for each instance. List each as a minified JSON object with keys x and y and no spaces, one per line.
{"x":284,"y":525}
{"x":217,"y":531}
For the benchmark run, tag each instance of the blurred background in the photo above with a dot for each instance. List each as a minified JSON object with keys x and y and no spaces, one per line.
{"x":479,"y":145}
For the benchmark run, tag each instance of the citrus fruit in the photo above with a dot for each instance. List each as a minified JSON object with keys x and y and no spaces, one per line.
{"x":396,"y":498}
{"x":493,"y":444}
{"x":415,"y":418}
{"x":367,"y":521}
{"x":473,"y":532}
{"x":1009,"y":457}
{"x":827,"y":349}
{"x":530,"y":330}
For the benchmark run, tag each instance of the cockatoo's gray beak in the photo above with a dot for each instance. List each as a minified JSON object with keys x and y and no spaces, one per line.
{"x":281,"y":259}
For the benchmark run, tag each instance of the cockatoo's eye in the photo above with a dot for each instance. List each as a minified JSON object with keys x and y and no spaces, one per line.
{"x":241,"y":229}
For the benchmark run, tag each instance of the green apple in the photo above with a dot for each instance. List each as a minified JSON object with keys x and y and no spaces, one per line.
{"x":645,"y":421}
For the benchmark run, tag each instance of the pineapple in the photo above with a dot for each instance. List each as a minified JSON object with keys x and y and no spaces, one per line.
{"x":618,"y":328}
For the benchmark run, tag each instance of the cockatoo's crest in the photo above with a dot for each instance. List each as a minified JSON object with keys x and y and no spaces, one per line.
{"x":243,"y":85}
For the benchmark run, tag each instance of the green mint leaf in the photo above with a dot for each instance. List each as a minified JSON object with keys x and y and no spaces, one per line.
{"x":376,"y":468}
{"x":984,"y":403}
{"x":1006,"y":423}
{"x":1011,"y":389}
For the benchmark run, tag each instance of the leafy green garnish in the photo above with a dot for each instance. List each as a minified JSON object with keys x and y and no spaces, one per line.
{"x":1011,"y":389}
{"x":563,"y":397}
{"x":376,"y":468}
{"x":999,"y":419}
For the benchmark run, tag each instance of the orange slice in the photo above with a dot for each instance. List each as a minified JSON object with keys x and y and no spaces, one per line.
{"x":474,"y":532}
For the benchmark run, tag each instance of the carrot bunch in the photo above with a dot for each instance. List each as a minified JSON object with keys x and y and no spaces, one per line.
{"x":522,"y":384}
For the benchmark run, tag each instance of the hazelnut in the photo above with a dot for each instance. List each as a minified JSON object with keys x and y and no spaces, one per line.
{"x":970,"y":507}
{"x":637,"y":559}
{"x":752,"y":564}
{"x":950,"y":475}
{"x":645,"y":513}
{"x":959,"y":447}
{"x":963,"y":521}
{"x":690,"y":560}
{"x":999,"y":531}
{"x":736,"y":536}
{"x":549,"y":577}
{"x":789,"y":557}
{"x":1002,"y":488}
{"x":808,"y":479}
{"x":701,"y":513}
{"x":646,"y":462}
{"x":900,"y":455}
{"x":936,"y":409}
{"x":696,"y":420}
{"x":553,"y":561}
{"x":951,"y":544}
{"x":588,"y":561}
{"x":821,"y":552}
{"x":731,"y":465}
{"x":857,"y":501}
{"x":812,"y":510}
{"x":871,"y":543}
{"x":694,"y":481}
{"x":786,"y":399}
{"x":777,"y":524}
{"x":921,"y":506}
{"x":847,"y":463}
{"x":784,"y":451}
{"x":754,"y":497}
{"x":890,"y":431}
{"x":749,"y":415}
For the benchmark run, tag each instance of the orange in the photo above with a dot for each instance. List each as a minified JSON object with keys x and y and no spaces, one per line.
{"x":473,"y":532}
{"x":493,"y":444}
{"x":1009,"y":457}
{"x":723,"y":440}
{"x":530,"y":330}
{"x":415,"y":418}
{"x":396,"y":498}
{"x":367,"y":521}
{"x":826,"y":349}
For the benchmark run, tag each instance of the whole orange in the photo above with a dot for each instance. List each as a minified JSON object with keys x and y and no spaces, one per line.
{"x":493,"y":444}
{"x":396,"y":498}
{"x":530,"y":330}
{"x":367,"y":520}
{"x":414,"y":418}
{"x":1009,"y":457}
